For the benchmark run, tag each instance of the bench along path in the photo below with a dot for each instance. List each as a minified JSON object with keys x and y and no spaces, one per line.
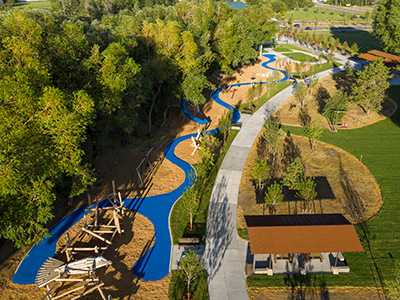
{"x":225,"y":253}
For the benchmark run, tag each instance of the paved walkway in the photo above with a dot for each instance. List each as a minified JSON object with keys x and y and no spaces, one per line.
{"x":226,"y":254}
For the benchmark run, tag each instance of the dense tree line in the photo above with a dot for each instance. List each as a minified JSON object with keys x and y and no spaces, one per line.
{"x":67,"y":74}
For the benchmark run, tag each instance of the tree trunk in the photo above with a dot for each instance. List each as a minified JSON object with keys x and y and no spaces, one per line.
{"x":152,"y":106}
{"x":165,"y":115}
{"x":188,"y":285}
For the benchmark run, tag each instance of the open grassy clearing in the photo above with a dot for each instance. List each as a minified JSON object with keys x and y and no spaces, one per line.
{"x":365,"y":40}
{"x":323,"y":15}
{"x":287,"y":48}
{"x":300,"y":57}
{"x":378,"y":145}
{"x":33,"y":4}
{"x":179,"y":218}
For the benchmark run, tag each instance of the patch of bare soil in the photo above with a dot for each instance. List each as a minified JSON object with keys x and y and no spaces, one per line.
{"x":309,"y":293}
{"x":344,"y":185}
{"x":289,"y":111}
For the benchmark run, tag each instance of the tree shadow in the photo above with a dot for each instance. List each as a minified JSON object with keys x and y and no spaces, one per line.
{"x":304,"y":117}
{"x":290,"y":151}
{"x":301,"y":286}
{"x":321,"y":96}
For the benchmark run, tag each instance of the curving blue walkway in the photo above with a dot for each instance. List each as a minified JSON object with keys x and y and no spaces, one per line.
{"x":154,"y":264}
{"x":190,"y":116}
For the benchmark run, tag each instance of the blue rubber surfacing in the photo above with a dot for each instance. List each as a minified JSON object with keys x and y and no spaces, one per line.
{"x":154,"y":264}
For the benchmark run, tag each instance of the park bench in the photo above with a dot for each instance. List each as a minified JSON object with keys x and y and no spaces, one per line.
{"x":248,"y":111}
{"x":189,"y":241}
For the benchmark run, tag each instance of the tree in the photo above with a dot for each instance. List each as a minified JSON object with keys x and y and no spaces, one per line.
{"x":314,"y":132}
{"x":345,"y":45}
{"x":225,"y":124}
{"x":288,"y":70}
{"x":258,"y":91}
{"x":260,"y":173}
{"x":273,"y":196}
{"x":386,"y":24}
{"x":367,"y":16}
{"x":301,"y":92}
{"x":392,"y":287}
{"x":272,"y":134}
{"x":338,"y":102}
{"x":190,"y":204}
{"x":354,"y":48}
{"x":42,"y":126}
{"x":275,"y":78}
{"x":250,"y":94}
{"x":369,"y":90}
{"x":313,"y":81}
{"x":306,"y":191}
{"x":190,"y":267}
{"x":293,"y":174}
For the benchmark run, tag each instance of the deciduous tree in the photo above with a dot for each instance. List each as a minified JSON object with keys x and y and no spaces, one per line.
{"x":369,"y":90}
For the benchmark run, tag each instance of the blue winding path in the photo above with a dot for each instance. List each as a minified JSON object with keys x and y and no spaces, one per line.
{"x":154,"y":264}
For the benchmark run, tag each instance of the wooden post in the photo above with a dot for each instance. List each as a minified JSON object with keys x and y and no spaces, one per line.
{"x":116,"y":221}
{"x":114,"y":194}
{"x":68,"y":244}
{"x":89,"y":199}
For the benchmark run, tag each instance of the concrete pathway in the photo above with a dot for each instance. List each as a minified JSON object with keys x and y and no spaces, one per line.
{"x":226,"y":254}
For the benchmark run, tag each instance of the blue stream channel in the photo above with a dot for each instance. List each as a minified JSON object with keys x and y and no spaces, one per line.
{"x":154,"y":264}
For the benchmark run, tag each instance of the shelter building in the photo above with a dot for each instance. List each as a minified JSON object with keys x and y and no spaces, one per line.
{"x":390,"y":60}
{"x":292,"y":244}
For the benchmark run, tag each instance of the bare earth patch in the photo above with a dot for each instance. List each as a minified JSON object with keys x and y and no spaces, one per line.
{"x":288,"y":112}
{"x":344,"y":184}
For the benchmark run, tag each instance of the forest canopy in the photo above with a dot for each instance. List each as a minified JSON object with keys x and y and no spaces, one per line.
{"x":68,"y":73}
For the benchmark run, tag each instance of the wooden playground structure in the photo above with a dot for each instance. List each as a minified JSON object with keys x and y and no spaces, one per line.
{"x":81,"y":273}
{"x":101,"y":227}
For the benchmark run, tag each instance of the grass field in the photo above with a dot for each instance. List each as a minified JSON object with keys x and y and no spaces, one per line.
{"x":365,"y":40}
{"x":287,"y":48}
{"x":300,"y":57}
{"x":34,"y":4}
{"x":180,"y":219}
{"x":379,"y":145}
{"x":329,"y":15}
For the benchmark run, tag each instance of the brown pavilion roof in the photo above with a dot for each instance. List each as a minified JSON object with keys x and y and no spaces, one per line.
{"x":367,"y":56}
{"x":301,"y":234}
{"x":385,"y":55}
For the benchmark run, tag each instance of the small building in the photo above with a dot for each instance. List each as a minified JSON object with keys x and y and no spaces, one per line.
{"x":390,"y":60}
{"x":292,"y":244}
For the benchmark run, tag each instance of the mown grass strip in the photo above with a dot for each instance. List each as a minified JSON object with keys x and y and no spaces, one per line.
{"x":180,"y":219}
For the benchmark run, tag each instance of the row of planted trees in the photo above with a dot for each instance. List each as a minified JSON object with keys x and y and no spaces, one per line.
{"x":320,"y":42}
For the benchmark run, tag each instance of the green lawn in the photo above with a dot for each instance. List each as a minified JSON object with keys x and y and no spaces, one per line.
{"x":178,"y":286}
{"x":330,"y":15}
{"x":300,"y":57}
{"x":379,"y":146}
{"x":287,"y":48}
{"x":180,"y":219}
{"x":365,"y":40}
{"x":34,"y":4}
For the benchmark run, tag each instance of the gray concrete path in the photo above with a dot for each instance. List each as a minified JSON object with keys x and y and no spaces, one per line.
{"x":225,"y":254}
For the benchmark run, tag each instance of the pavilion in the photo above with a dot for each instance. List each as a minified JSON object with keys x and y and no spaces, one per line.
{"x":390,"y":60}
{"x":292,"y":244}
